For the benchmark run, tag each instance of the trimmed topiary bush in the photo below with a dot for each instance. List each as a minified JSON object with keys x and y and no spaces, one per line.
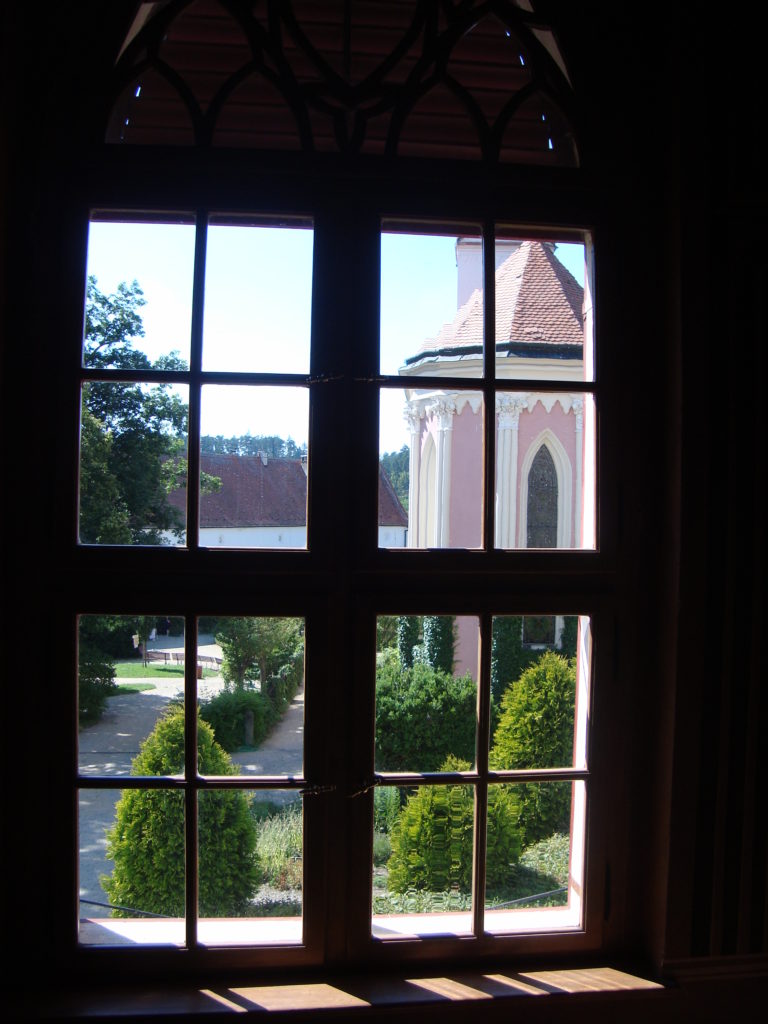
{"x":408,"y":636}
{"x":439,"y":641}
{"x":226,"y":714}
{"x":423,"y":715}
{"x":433,"y":838}
{"x":535,"y":730}
{"x":146,"y":840}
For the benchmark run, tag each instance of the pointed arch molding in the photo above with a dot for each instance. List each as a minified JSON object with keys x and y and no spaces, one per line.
{"x":347,"y":80}
{"x":564,"y":472}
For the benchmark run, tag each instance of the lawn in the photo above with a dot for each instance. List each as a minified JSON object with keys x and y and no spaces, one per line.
{"x":155,"y":670}
{"x":134,"y":687}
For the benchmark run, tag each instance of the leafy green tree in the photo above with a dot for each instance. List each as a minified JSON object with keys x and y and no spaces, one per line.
{"x":535,"y":730}
{"x":423,"y":715}
{"x":386,"y":632}
{"x":433,"y":838}
{"x":133,"y":436}
{"x":256,"y":645}
{"x":146,"y":840}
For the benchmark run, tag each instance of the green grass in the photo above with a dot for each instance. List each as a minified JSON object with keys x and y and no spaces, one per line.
{"x":134,"y":687}
{"x":279,"y":847}
{"x":155,"y":670}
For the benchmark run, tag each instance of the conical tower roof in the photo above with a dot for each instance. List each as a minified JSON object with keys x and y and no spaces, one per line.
{"x":538,"y":312}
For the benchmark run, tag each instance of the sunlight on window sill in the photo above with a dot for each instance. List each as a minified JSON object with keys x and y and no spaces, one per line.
{"x":233,"y":931}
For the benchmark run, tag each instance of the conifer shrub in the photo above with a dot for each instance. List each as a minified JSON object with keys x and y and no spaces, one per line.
{"x":408,"y":636}
{"x":439,"y":641}
{"x":146,"y":840}
{"x":423,"y":715}
{"x":226,"y":714}
{"x":386,"y":808}
{"x":433,"y":838}
{"x":535,"y":730}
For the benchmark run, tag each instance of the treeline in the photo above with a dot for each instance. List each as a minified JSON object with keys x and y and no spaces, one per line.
{"x":396,"y":465}
{"x":253,"y":444}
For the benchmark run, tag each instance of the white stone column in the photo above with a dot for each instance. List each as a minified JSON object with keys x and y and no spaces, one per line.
{"x":577,"y":408}
{"x":443,"y":409}
{"x":508,"y":409}
{"x":413,"y":419}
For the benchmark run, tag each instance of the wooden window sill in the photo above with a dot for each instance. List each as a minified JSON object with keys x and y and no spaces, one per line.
{"x":438,"y":996}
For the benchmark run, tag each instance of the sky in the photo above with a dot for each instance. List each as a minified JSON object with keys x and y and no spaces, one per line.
{"x":258,"y":310}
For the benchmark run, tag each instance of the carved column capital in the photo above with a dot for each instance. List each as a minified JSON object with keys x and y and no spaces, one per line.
{"x":444,"y":409}
{"x":412,"y":416}
{"x":508,"y":409}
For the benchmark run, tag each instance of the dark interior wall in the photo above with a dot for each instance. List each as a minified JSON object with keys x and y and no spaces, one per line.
{"x":671,"y":121}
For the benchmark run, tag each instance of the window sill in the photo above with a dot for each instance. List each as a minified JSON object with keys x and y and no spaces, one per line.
{"x":449,"y":995}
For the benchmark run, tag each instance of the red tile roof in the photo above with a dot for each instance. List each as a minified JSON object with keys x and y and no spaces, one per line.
{"x":538,"y":302}
{"x":268,"y":492}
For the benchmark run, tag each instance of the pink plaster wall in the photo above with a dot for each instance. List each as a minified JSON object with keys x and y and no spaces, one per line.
{"x":467,"y":646}
{"x":466,"y":506}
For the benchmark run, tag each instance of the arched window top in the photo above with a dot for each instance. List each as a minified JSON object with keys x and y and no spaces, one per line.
{"x":431,"y":78}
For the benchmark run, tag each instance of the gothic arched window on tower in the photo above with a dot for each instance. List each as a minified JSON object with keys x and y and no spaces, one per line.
{"x":542,"y":501}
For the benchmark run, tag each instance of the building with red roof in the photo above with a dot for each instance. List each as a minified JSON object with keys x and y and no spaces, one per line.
{"x":261,"y":502}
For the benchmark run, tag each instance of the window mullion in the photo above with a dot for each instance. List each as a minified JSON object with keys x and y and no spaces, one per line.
{"x":196,"y":362}
{"x":489,"y":376}
{"x":481,"y":763}
{"x":191,"y":845}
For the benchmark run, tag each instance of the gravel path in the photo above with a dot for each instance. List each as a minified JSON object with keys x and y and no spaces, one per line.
{"x":109,"y":746}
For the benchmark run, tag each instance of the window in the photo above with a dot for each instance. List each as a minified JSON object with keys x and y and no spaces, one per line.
{"x":300,"y":327}
{"x":241,"y":658}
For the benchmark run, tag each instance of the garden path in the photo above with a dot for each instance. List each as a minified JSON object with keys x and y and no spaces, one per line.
{"x":109,"y":746}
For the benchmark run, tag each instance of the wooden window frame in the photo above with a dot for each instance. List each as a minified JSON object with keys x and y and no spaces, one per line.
{"x":344,"y":579}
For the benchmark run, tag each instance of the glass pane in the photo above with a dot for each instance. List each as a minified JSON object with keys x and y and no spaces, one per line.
{"x":139,"y":298}
{"x":545,"y":470}
{"x":426,"y":695}
{"x":133,"y":440}
{"x":422,"y":860}
{"x":252,"y":708}
{"x":258,"y":299}
{"x":431,"y":457}
{"x":534,"y":689}
{"x":542,"y":326}
{"x":130,"y":677}
{"x":251,"y":866}
{"x":254,"y":467}
{"x":429,"y":294}
{"x":533,"y":876}
{"x":131,"y":867}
